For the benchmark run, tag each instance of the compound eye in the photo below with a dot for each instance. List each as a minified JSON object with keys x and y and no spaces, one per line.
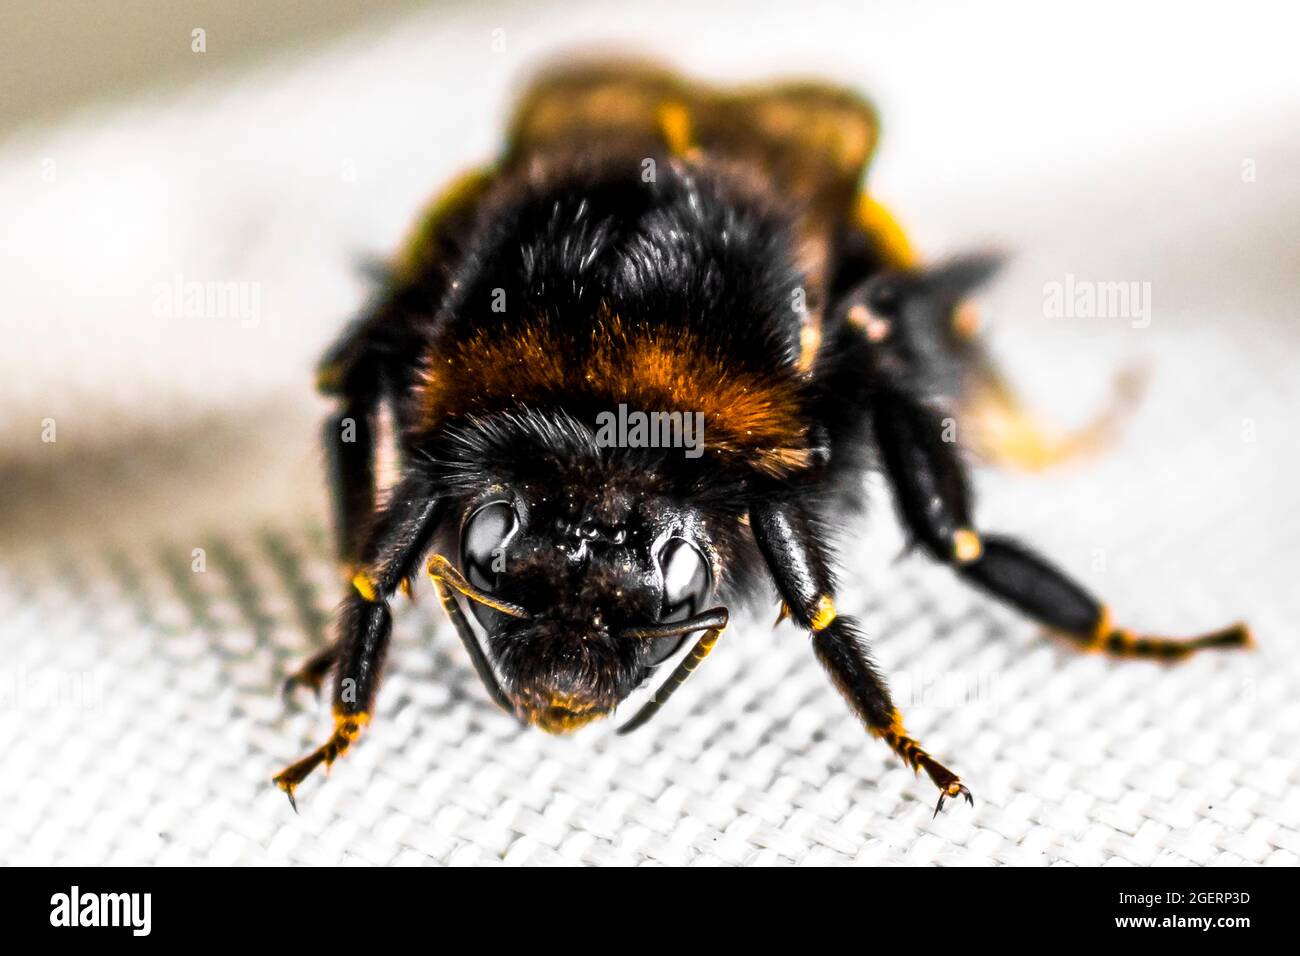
{"x":686,"y":587}
{"x":686,"y":580}
{"x":482,"y":543}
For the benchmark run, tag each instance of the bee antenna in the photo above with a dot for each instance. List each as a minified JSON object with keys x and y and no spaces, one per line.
{"x":715,"y":621}
{"x":444,"y":574}
{"x":715,"y":617}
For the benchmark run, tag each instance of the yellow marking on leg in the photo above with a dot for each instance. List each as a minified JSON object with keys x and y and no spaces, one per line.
{"x":966,"y":546}
{"x":1247,"y":636}
{"x":912,"y":754}
{"x":347,"y":727}
{"x":349,"y":724}
{"x":895,"y":727}
{"x":1096,"y":641}
{"x":364,"y":585}
{"x":908,"y":750}
{"x":1125,"y":642}
{"x":824,"y":615}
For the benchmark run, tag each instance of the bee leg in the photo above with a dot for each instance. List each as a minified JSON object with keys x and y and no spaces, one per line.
{"x":933,"y":499}
{"x":399,"y":536}
{"x":349,"y":372}
{"x":350,"y":452}
{"x":1008,"y":434}
{"x":799,"y":564}
{"x":312,"y":674}
{"x":919,"y":323}
{"x":349,"y":449}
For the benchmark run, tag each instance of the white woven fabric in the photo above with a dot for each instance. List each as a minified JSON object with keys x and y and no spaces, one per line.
{"x":141,"y":697}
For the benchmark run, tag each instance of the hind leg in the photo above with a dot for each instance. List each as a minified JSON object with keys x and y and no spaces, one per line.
{"x":1006,"y":433}
{"x":930,"y":488}
{"x":921,"y":320}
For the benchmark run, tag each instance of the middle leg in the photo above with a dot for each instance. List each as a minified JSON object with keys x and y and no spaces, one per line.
{"x":930,"y":487}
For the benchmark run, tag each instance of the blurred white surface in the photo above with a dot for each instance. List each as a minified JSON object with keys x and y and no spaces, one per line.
{"x":1103,"y":141}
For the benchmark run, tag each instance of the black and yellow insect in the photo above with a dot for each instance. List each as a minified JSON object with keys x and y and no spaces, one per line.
{"x":652,"y":244}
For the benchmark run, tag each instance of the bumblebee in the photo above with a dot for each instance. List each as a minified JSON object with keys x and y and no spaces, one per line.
{"x":649,"y":244}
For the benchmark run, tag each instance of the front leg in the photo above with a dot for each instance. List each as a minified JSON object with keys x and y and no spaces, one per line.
{"x":792,"y":545}
{"x":398,"y":538}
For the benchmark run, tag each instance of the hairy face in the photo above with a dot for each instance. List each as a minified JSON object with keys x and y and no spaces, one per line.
{"x":586,"y":547}
{"x":587,"y":564}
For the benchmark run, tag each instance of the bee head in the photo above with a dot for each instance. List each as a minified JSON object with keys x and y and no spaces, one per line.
{"x":589,"y":566}
{"x":585,"y":566}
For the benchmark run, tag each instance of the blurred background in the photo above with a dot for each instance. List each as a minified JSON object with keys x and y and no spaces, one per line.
{"x":188,"y":193}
